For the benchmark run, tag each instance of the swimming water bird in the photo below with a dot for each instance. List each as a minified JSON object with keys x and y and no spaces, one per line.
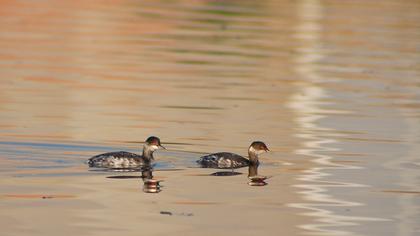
{"x":228,"y":160}
{"x":127,"y":159}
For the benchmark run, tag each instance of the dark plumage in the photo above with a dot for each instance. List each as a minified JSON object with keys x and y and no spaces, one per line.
{"x":223,"y":160}
{"x":227,"y":160}
{"x":127,"y":159}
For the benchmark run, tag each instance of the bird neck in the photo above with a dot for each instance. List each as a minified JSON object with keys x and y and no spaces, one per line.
{"x":253,"y":157}
{"x":147,"y":153}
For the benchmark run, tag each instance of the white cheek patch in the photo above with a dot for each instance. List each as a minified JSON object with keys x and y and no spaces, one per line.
{"x":154,"y":147}
{"x":253,"y":150}
{"x":261,"y":151}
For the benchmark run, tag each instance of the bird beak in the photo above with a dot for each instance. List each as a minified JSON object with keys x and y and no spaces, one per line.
{"x":162,"y":147}
{"x":266,"y":149}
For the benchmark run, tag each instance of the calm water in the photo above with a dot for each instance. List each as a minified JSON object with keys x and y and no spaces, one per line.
{"x":333,"y":88}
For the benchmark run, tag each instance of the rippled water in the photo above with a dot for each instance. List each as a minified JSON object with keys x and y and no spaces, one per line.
{"x":333,"y":88}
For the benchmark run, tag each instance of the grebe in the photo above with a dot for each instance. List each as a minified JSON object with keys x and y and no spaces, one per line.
{"x":227,"y":160}
{"x":127,"y":159}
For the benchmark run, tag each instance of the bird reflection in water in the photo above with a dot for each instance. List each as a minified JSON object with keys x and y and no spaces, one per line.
{"x":150,"y":185}
{"x":254,"y":178}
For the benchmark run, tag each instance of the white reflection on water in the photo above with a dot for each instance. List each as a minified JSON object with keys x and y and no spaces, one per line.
{"x":409,"y":178}
{"x":307,"y":104}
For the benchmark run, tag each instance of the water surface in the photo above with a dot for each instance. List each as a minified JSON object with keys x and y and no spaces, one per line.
{"x":333,"y":88}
